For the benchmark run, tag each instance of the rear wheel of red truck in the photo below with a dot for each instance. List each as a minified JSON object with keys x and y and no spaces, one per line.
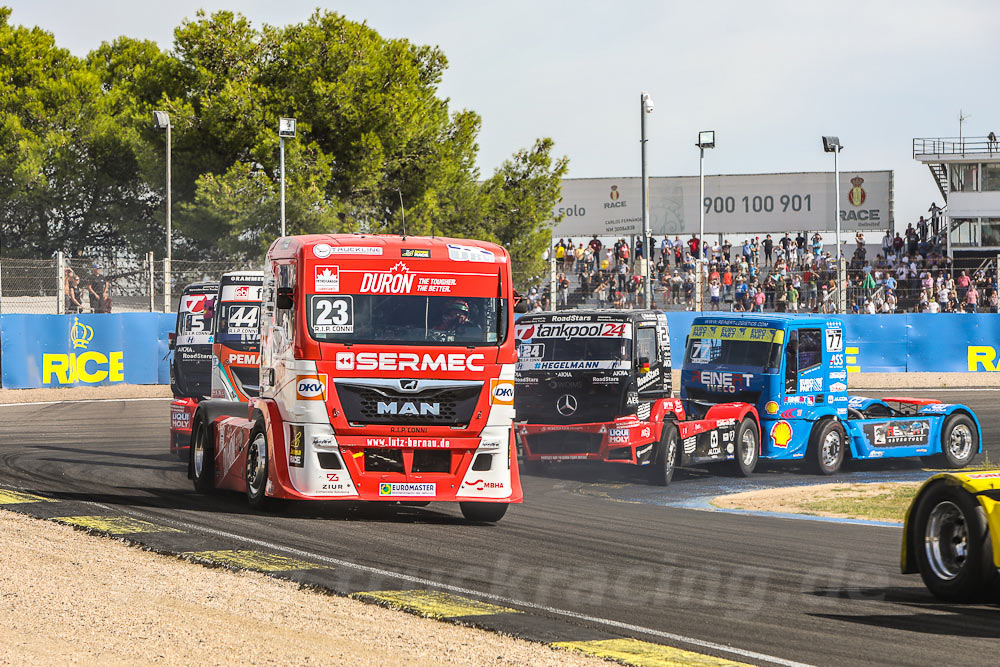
{"x":661,"y":470}
{"x":484,"y":512}
{"x":257,"y":468}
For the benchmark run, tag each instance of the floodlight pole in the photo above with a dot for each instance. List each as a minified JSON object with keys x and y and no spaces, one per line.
{"x":281,"y":142}
{"x":161,"y":120}
{"x":645,"y":107}
{"x":699,"y":297}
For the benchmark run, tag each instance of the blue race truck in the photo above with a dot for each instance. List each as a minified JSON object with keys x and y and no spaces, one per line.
{"x":793,"y":370}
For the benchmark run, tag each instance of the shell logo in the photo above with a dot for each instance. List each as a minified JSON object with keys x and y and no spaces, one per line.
{"x":781,"y":434}
{"x":771,"y":408}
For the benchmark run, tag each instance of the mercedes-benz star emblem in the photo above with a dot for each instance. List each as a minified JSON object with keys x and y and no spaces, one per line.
{"x":566,"y":405}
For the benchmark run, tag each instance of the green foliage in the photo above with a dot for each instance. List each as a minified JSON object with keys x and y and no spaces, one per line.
{"x":81,"y":164}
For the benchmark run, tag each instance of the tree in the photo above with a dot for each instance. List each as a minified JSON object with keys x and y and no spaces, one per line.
{"x":67,"y":178}
{"x":83,"y":164}
{"x":520,"y":198}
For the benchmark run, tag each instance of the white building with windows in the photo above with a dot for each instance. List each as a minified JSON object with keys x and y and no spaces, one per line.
{"x":967,"y":172}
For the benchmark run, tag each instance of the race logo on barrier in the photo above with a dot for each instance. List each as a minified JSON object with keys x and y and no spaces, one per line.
{"x":88,"y":367}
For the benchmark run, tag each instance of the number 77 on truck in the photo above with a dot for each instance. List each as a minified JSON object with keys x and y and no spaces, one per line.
{"x":386,"y":374}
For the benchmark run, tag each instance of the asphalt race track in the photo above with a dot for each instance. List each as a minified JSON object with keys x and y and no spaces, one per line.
{"x":592,"y":554}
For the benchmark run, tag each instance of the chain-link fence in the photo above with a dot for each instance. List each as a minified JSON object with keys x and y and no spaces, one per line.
{"x":100,"y":285}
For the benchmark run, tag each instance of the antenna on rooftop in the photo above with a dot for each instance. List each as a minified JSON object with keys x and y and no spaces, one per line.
{"x":961,"y":119}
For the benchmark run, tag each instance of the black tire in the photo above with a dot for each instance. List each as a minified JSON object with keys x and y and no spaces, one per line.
{"x":201,"y":455}
{"x":952,"y":545}
{"x":661,"y":470}
{"x":483,"y":512}
{"x":747,"y":447}
{"x":257,"y":468}
{"x":959,"y":442}
{"x":827,"y":447}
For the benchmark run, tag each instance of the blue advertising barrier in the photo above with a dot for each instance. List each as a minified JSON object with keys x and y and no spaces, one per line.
{"x":915,"y":342}
{"x":73,"y":350}
{"x":84,"y":350}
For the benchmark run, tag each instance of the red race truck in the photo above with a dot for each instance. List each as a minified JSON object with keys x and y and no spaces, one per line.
{"x":191,"y":363}
{"x":386,"y":374}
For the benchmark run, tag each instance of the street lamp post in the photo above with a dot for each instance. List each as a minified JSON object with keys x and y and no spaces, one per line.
{"x":161,"y":120}
{"x":706,"y":139}
{"x":833,"y":145}
{"x":286,"y":129}
{"x":645,"y":107}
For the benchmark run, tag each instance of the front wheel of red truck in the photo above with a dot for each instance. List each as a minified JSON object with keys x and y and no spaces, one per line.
{"x":483,"y":512}
{"x":202,"y":455}
{"x":661,"y":470}
{"x":257,"y":468}
{"x":747,"y":449}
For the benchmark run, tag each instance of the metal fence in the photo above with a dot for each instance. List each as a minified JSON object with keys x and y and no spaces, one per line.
{"x":99,"y":285}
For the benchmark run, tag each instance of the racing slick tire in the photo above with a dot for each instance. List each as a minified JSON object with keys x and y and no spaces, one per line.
{"x":954,"y":550}
{"x":483,"y":512}
{"x":747,"y":450}
{"x":257,"y":467}
{"x":959,"y":443}
{"x":201,"y":455}
{"x":661,"y":470}
{"x":827,"y":447}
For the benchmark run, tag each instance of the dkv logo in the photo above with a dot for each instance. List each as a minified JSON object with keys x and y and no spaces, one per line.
{"x":310,"y":387}
{"x":89,"y":367}
{"x":502,"y":392}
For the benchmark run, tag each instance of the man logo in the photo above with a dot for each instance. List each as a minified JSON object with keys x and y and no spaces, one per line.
{"x":407,"y":408}
{"x":857,"y":194}
{"x":408,"y":385}
{"x":566,"y":405}
{"x":614,"y":193}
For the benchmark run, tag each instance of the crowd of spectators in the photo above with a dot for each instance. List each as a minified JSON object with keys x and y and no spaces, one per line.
{"x":908,"y":272}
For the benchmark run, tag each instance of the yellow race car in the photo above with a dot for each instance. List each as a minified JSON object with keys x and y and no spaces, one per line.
{"x":948,"y":536}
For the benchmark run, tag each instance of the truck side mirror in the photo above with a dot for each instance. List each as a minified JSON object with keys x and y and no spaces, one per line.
{"x":286,"y":298}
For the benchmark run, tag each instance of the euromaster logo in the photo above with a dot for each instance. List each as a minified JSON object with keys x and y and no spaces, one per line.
{"x":88,"y":367}
{"x":856,"y":195}
{"x":404,"y":489}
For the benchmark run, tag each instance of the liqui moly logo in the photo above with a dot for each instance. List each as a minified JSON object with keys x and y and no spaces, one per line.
{"x":397,"y":280}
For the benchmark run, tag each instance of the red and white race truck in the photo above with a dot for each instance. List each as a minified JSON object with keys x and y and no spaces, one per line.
{"x":387,"y":374}
{"x":218,"y":342}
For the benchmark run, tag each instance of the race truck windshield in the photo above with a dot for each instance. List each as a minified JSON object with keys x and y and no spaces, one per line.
{"x":237,"y":312}
{"x":575,"y":349}
{"x":198,"y":317}
{"x":406,"y":319}
{"x":753,"y":347}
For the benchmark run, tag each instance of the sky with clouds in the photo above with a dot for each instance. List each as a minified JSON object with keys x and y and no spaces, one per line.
{"x":769,"y":77}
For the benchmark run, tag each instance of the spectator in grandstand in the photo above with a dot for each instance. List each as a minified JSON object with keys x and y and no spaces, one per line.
{"x":991,"y":141}
{"x":73,"y":295}
{"x":971,"y":299}
{"x":595,"y":246}
{"x":694,"y":245}
{"x":768,"y":246}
